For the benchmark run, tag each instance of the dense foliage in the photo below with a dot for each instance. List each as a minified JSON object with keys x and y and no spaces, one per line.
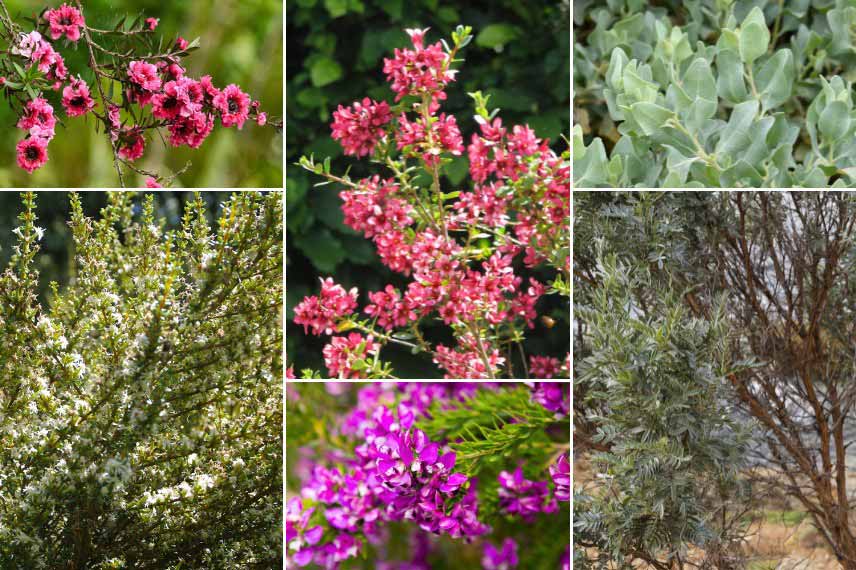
{"x":468,"y":254}
{"x":142,"y":417}
{"x":118,"y":34}
{"x":335,"y":56}
{"x":428,"y":475}
{"x":714,"y":93}
{"x":746,"y":300}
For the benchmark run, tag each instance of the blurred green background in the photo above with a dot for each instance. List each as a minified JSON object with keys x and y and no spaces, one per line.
{"x":520,"y":56}
{"x":241,"y":42}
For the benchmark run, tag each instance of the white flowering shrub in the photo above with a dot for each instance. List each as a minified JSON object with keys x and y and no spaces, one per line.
{"x":140,"y":406}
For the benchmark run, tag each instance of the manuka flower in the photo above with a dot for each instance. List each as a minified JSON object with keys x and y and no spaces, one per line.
{"x":320,"y":313}
{"x":234,"y":106}
{"x":65,"y":20}
{"x":358,"y":128}
{"x":76,"y":98}
{"x":32,"y":153}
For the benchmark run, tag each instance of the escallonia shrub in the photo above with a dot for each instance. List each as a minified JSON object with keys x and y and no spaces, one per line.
{"x":459,"y":471}
{"x":142,"y":403}
{"x":140,"y":89}
{"x":714,"y":94}
{"x":463,"y":249}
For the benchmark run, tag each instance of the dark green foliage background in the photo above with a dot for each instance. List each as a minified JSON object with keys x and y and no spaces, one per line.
{"x":240,"y":42}
{"x":520,"y":56}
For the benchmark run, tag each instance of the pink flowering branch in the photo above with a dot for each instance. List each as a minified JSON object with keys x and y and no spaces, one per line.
{"x":464,"y":249}
{"x":155,"y":94}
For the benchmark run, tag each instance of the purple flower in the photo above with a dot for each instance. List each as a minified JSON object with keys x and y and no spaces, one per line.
{"x":504,"y":559}
{"x":555,"y":396}
{"x":296,"y":534}
{"x":566,"y":559}
{"x":561,"y":474}
{"x":522,"y":497}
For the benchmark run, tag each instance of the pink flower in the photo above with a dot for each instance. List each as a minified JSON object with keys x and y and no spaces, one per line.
{"x":38,"y":115}
{"x":172,"y":102}
{"x":131,"y":144}
{"x":49,"y":62}
{"x":371,"y":208}
{"x":210,"y":92}
{"x":418,"y":71}
{"x":467,"y":362}
{"x":144,"y":75}
{"x":152,"y":183}
{"x":443,"y":136}
{"x":320,"y":313}
{"x":342,"y":353}
{"x":152,"y":23}
{"x":76,"y":98}
{"x":389,"y":308}
{"x":191,"y":131}
{"x":28,"y":43}
{"x":261,"y":118}
{"x":359,"y":127}
{"x":543,"y":366}
{"x":181,"y":43}
{"x":114,"y":116}
{"x":2,"y":81}
{"x":65,"y":20}
{"x":32,"y":153}
{"x":172,"y":71}
{"x":234,"y":106}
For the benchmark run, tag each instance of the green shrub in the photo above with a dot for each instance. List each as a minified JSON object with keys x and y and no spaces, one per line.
{"x":714,"y":93}
{"x":141,"y":423}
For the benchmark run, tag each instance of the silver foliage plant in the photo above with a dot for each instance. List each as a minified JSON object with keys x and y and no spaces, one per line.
{"x":714,"y":93}
{"x":140,"y":406}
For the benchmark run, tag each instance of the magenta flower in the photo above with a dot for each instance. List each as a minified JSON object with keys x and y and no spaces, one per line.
{"x":297,"y":536}
{"x":555,"y":396}
{"x":524,"y":498}
{"x":504,"y":559}
{"x":561,"y":474}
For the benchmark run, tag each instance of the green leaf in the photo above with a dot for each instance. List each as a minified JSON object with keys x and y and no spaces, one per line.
{"x":698,"y":80}
{"x":775,"y":81}
{"x":322,"y":248}
{"x":497,"y":35}
{"x":650,"y":117}
{"x":729,"y":82}
{"x":336,"y":8}
{"x":754,"y":36}
{"x":737,"y":133}
{"x":834,"y":121}
{"x":324,"y":71}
